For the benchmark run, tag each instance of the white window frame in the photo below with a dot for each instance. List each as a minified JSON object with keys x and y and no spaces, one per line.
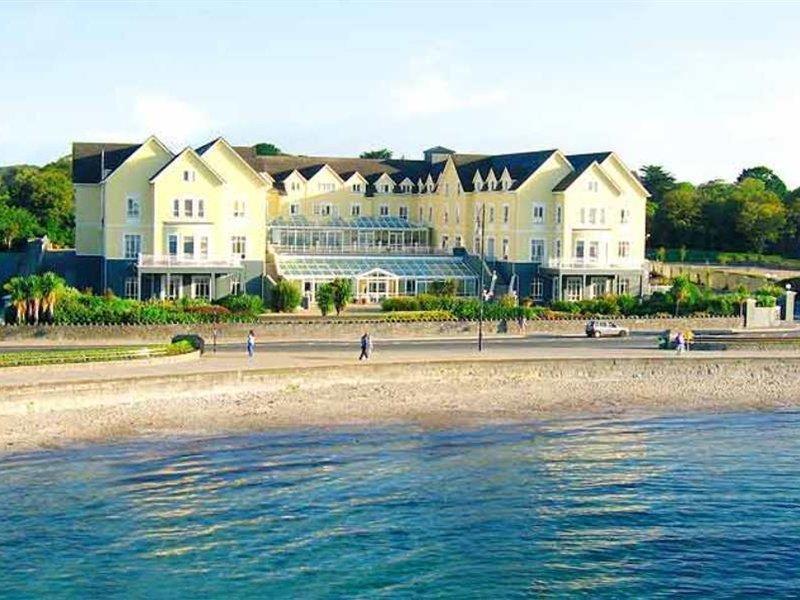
{"x":491,"y":214}
{"x":594,"y":248}
{"x":402,"y":212}
{"x":294,"y":209}
{"x":506,"y":248}
{"x":130,"y":288}
{"x":133,"y":208}
{"x":624,"y":215}
{"x":537,"y":243}
{"x":170,"y":238}
{"x":188,"y":208}
{"x":490,"y":243}
{"x":203,"y":247}
{"x":592,"y":216}
{"x":198,"y":280}
{"x":538,"y":213}
{"x":537,"y":289}
{"x":239,"y":208}
{"x":176,"y":208}
{"x":355,"y":210}
{"x":201,"y":208}
{"x":580,"y":249}
{"x":239,"y":245}
{"x":623,"y":249}
{"x":383,"y":210}
{"x":189,"y":175}
{"x":506,"y":214}
{"x":132,"y":242}
{"x":559,"y":211}
{"x":188,"y":239}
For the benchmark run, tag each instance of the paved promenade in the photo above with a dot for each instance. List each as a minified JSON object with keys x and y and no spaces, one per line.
{"x":282,"y":356}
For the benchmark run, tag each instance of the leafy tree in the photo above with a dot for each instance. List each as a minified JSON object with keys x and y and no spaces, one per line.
{"x":16,"y":224}
{"x":286,"y":296}
{"x":762,"y":215}
{"x":718,"y":207}
{"x":324,"y":298}
{"x":342,"y":293}
{"x":679,"y":213}
{"x":383,"y":153}
{"x":267,"y":149}
{"x":48,"y":194}
{"x":682,"y":291}
{"x":771,"y":181}
{"x":447,"y":287}
{"x":657,"y":180}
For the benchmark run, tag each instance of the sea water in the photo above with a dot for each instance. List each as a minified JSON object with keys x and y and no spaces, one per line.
{"x":700,"y":505}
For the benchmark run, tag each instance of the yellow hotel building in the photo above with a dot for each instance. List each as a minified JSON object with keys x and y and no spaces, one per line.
{"x":219,"y":219}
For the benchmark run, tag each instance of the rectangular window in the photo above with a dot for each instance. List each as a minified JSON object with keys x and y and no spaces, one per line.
{"x":201,"y":287}
{"x":133,"y":209}
{"x":188,"y":208}
{"x":506,"y":213}
{"x":583,"y":215}
{"x":592,"y":216}
{"x":384,"y":210}
{"x":356,"y":187}
{"x":176,"y":208}
{"x":188,"y":175}
{"x":537,"y":288}
{"x":458,"y":215}
{"x":558,"y":214}
{"x":402,"y":212}
{"x":420,"y":214}
{"x":326,"y":187}
{"x":602,"y":216}
{"x":445,"y":241}
{"x":491,"y":214}
{"x":238,"y":208}
{"x":490,"y":248}
{"x":236,"y":285}
{"x":239,"y":245}
{"x":459,"y":241}
{"x":201,"y":208}
{"x":579,"y":249}
{"x":355,"y":210}
{"x":188,"y":246}
{"x":624,"y":249}
{"x":624,"y":286}
{"x":446,"y":189}
{"x":132,"y":245}
{"x":131,"y":289}
{"x":624,"y":215}
{"x":537,"y":250}
{"x":538,"y":213}
{"x":476,"y":244}
{"x":573,"y":288}
{"x":204,"y":247}
{"x":326,"y":210}
{"x":294,"y":209}
{"x":557,"y":249}
{"x":172,"y":244}
{"x":506,"y":249}
{"x":430,"y":214}
{"x":594,"y":250}
{"x":446,"y":216}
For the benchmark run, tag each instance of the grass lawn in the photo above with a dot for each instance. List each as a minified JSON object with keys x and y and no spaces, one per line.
{"x":84,"y":355}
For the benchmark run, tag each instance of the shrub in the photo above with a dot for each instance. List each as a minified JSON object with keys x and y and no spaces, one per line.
{"x":193,"y":341}
{"x":398,"y":303}
{"x":447,"y":287}
{"x":181,"y":347}
{"x":243,"y":304}
{"x":286,"y":296}
{"x":208,"y":309}
{"x":324,"y":298}
{"x":342,"y":293}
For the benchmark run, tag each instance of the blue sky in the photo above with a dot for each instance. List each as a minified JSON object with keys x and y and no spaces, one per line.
{"x":704,"y":89}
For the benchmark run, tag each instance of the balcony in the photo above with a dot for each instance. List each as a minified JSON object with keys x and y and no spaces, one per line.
{"x":185,"y":263}
{"x":594,"y":264}
{"x":365,"y":249}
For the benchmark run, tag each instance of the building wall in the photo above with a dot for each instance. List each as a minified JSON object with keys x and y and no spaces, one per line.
{"x":88,"y":220}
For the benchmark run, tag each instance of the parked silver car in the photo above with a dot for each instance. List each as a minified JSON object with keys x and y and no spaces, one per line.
{"x":598,"y":329}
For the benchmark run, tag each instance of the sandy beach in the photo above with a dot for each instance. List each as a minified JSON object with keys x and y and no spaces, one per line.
{"x":434,"y":394}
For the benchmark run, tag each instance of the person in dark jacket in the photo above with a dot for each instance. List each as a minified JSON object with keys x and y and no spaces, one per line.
{"x":366,"y":346}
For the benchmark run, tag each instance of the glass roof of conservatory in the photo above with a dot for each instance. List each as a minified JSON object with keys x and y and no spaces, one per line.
{"x":328,"y":267}
{"x":298,"y":221}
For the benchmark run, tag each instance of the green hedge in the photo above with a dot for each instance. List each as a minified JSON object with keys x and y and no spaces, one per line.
{"x":723,"y":258}
{"x":84,"y":355}
{"x":467,"y":309}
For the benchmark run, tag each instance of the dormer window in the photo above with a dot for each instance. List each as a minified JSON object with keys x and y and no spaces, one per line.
{"x":326,"y":187}
{"x":478,"y":184}
{"x":385,"y":188}
{"x":593,"y":187}
{"x":430,"y":187}
{"x":356,"y":187}
{"x":294,"y":186}
{"x":189,"y":175}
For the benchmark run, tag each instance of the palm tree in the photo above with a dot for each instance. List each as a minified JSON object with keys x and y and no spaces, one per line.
{"x":34,"y":298}
{"x":17,"y":287}
{"x":52,"y":285}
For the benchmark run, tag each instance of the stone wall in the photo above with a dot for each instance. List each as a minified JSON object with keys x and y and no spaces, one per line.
{"x":294,"y":329}
{"x":716,"y":277}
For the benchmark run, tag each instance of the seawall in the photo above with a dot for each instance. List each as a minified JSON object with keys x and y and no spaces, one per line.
{"x":335,"y":329}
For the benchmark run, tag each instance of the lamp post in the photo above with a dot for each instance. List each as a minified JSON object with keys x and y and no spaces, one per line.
{"x":483,"y":266}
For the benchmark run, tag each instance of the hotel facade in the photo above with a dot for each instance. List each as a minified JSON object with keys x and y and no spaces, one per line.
{"x":218,"y":219}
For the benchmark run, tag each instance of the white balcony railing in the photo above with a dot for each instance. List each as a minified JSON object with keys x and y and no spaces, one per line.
{"x":189,"y":260}
{"x":594,"y":263}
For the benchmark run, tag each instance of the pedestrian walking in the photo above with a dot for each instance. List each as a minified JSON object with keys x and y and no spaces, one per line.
{"x":680,"y":343}
{"x":366,"y":346}
{"x":251,"y":344}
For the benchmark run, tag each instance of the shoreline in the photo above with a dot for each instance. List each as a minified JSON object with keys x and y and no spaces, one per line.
{"x":431,"y":394}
